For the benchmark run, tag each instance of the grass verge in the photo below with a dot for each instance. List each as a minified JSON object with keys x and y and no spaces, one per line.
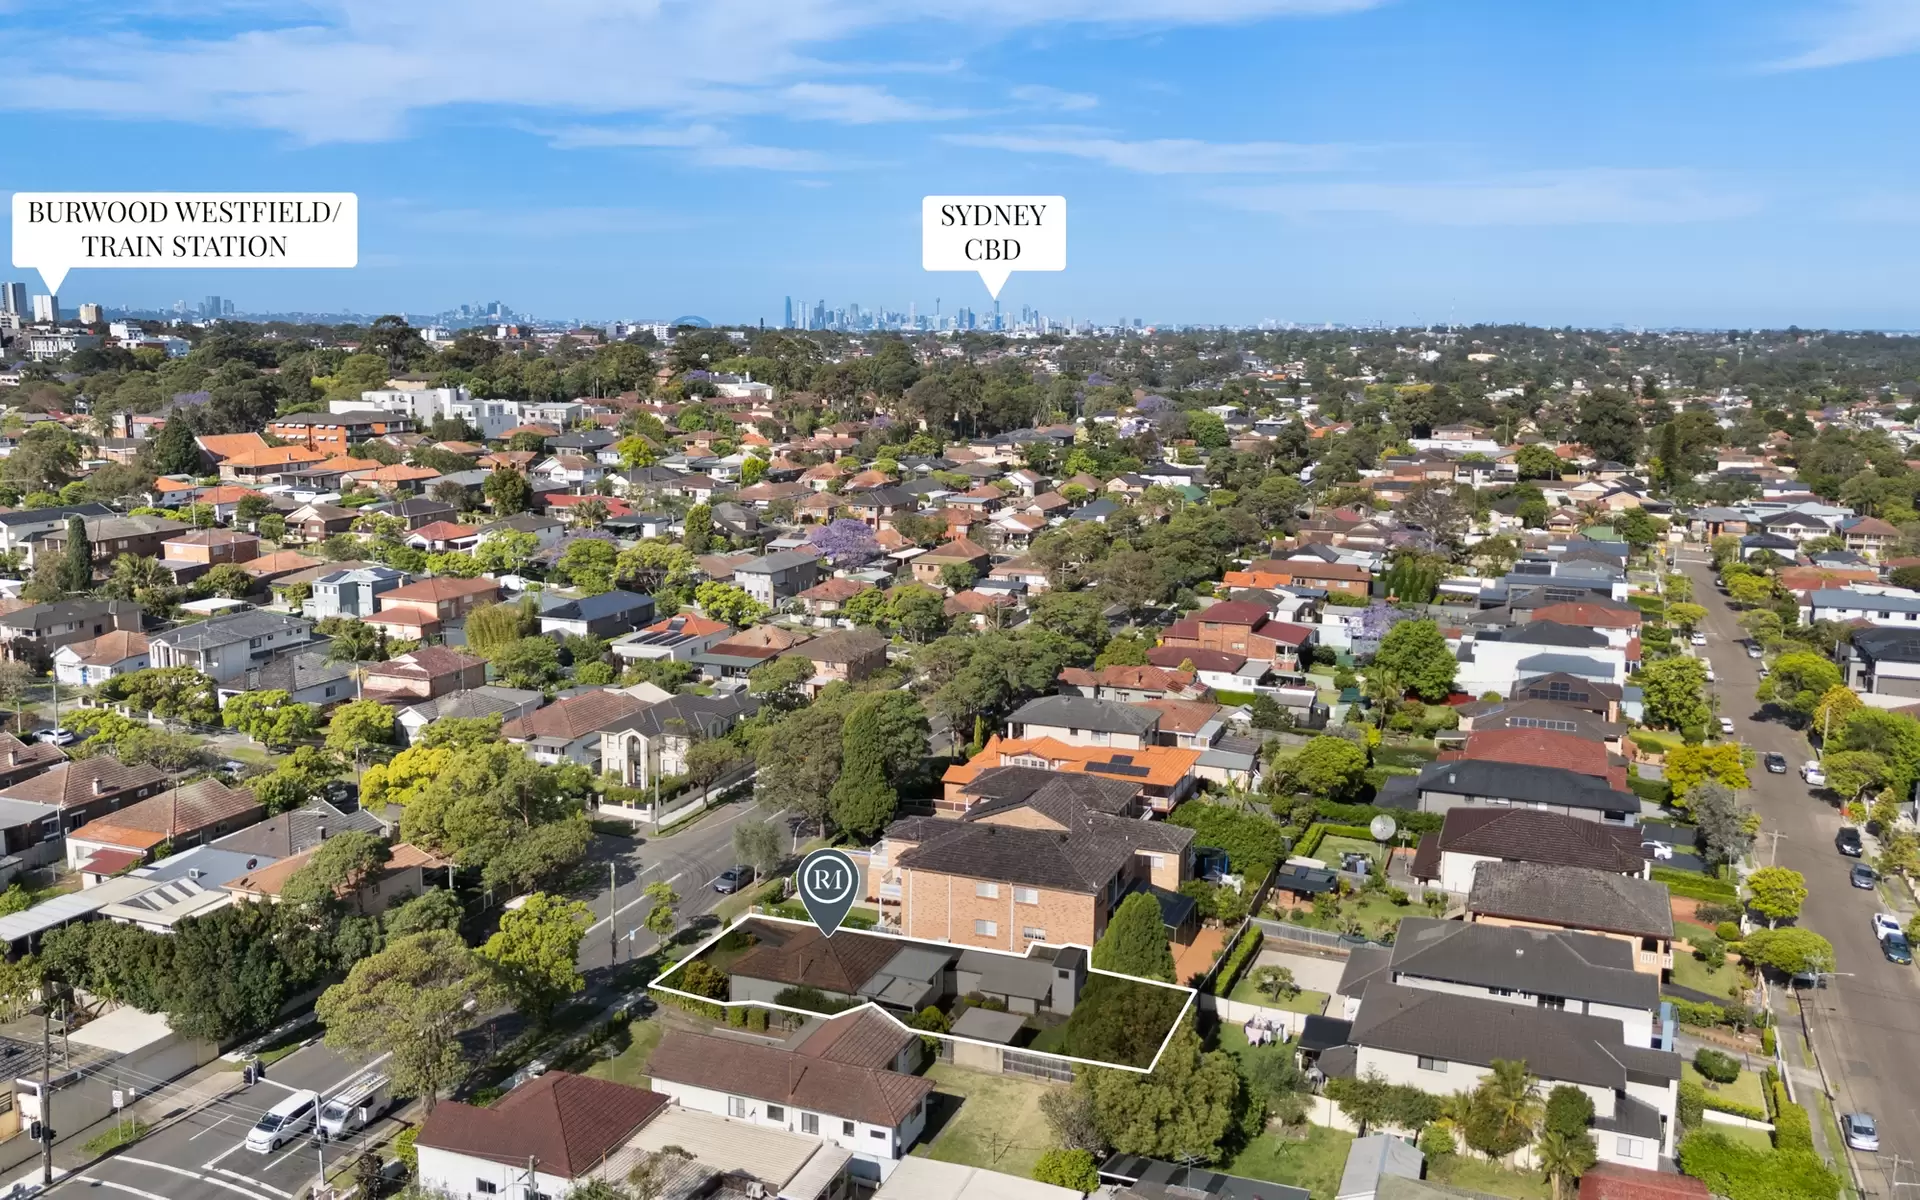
{"x":123,"y":1134}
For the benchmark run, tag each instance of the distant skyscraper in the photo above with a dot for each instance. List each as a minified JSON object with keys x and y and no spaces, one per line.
{"x":211,"y":307}
{"x":226,"y":308}
{"x":787,"y":323}
{"x":13,"y":299}
{"x":90,"y":314}
{"x":46,"y":308}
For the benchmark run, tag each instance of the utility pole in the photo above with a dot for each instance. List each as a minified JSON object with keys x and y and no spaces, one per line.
{"x":46,"y":1092}
{"x":1773,"y":853}
{"x":613,"y":913}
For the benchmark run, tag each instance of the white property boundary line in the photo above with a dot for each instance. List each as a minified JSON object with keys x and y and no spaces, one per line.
{"x":1191,"y":994}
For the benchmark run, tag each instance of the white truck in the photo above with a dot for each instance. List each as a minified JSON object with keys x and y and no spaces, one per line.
{"x":356,"y":1106}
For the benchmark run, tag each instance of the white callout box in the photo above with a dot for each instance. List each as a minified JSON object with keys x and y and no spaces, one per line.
{"x":993,"y":235}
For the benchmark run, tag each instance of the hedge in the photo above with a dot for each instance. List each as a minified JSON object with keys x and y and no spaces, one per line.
{"x":1238,"y":956}
{"x":1697,"y":1012}
{"x":1362,"y":814}
{"x":1657,"y":791}
{"x":1720,"y":1104}
{"x":1319,"y":832}
{"x":1739,"y":1172}
{"x":1792,"y":1128}
{"x":1696,"y":886}
{"x":700,"y":1008}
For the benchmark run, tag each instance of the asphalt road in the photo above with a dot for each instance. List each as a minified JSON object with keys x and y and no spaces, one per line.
{"x":204,"y":1156}
{"x":1866,"y":1021}
{"x":689,"y":860}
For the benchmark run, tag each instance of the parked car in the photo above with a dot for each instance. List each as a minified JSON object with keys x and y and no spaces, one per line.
{"x":1726,"y":726}
{"x":58,"y":736}
{"x":1656,"y":850}
{"x":1711,"y":677}
{"x":1698,"y":638}
{"x":1753,"y":650}
{"x":1847,"y":841}
{"x":1812,"y":772}
{"x":1863,"y":876}
{"x":1884,"y":924}
{"x":1895,"y":947}
{"x":732,"y":880}
{"x":1776,"y":763}
{"x":1862,"y":1132}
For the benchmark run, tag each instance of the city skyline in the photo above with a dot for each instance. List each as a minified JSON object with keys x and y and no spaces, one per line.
{"x":1346,"y":161}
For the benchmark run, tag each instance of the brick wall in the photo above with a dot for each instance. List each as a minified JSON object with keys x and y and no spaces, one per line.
{"x":944,"y":908}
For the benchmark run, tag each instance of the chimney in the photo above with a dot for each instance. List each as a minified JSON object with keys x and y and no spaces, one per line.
{"x":99,"y":786}
{"x":322,"y":829}
{"x":13,"y":757}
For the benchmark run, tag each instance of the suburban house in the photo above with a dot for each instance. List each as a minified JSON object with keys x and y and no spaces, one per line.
{"x":1473,"y":834}
{"x":97,"y":660}
{"x":20,"y":528}
{"x":225,"y":647}
{"x":607,"y":615}
{"x":1468,"y":782}
{"x":1161,"y":776}
{"x":1131,"y":685}
{"x":305,"y":675}
{"x":678,"y":638}
{"x":318,"y":522}
{"x":1493,"y":660}
{"x":286,"y":834}
{"x":1444,"y":1042}
{"x":476,"y":703}
{"x":779,"y":576}
{"x":542,"y":1139}
{"x":1244,"y":628}
{"x":1519,"y":713}
{"x":20,"y":759}
{"x":1078,"y":721}
{"x":872,"y":1111}
{"x":85,"y":789}
{"x":405,"y":874}
{"x":1039,"y":856}
{"x":1635,"y":911}
{"x":110,"y":537}
{"x":653,"y":742}
{"x":1305,"y":573}
{"x":929,"y":568}
{"x":47,"y":627}
{"x":1538,"y":968}
{"x":351,"y":593}
{"x":1559,"y":748}
{"x":845,"y":655}
{"x":1883,"y":662}
{"x":178,"y":819}
{"x":569,"y":730}
{"x":422,"y":674}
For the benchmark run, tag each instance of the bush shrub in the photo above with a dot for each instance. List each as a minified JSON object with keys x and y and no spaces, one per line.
{"x":757,"y":1020}
{"x":1740,"y":1173}
{"x":1768,"y":1041}
{"x":1721,"y":1104}
{"x":1727,"y":931}
{"x":1696,"y":887}
{"x":1237,"y":957}
{"x":1693,"y":1103}
{"x":1792,"y":1128}
{"x":1694,"y":1012}
{"x":1716,"y":1066}
{"x":1068,"y":1169}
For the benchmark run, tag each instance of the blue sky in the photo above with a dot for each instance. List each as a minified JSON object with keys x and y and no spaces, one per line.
{"x":1707,"y":162}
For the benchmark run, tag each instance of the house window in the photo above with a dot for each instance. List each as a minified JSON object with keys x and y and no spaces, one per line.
{"x":1438,"y":1065}
{"x":1033,"y":933}
{"x":810,"y":1123}
{"x":486,"y":1187}
{"x":985,"y":929}
{"x":777,"y":1112}
{"x":987,"y":891}
{"x":736,"y":1106}
{"x":1026,"y":895}
{"x":1627,"y":1147}
{"x":1554,"y":1002}
{"x":846,"y":1129}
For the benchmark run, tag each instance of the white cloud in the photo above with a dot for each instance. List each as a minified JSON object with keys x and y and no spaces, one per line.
{"x":704,"y":145}
{"x":357,"y":70}
{"x":1859,"y":31}
{"x":1039,"y":95}
{"x":1592,"y":196}
{"x":1167,"y":156}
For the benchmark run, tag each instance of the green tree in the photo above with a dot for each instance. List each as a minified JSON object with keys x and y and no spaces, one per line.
{"x":272,"y":718}
{"x":1726,"y":826}
{"x":435,"y":908}
{"x":341,"y":864}
{"x":1508,"y":1101}
{"x":1800,"y":679}
{"x":1608,"y":425}
{"x":698,"y":527}
{"x":1894,"y":736}
{"x":1686,"y":617}
{"x":1183,"y":1108}
{"x":76,"y":562}
{"x":1789,"y":950}
{"x":530,"y":662}
{"x":799,"y":763}
{"x":758,"y":844}
{"x":1074,"y":1169}
{"x":1776,"y":893}
{"x":229,"y":581}
{"x":862,"y":800}
{"x":661,"y":915}
{"x":508,"y":491}
{"x":781,"y":681}
{"x":350,"y":640}
{"x":1276,"y":982}
{"x":1676,"y":693}
{"x":729,"y":603}
{"x":505,"y":552}
{"x":1333,"y":767}
{"x":1687,"y":767}
{"x":1135,"y":942}
{"x":1536,"y":461}
{"x":359,"y":725}
{"x":412,"y":1001}
{"x":536,"y":951}
{"x":492,"y":626}
{"x":1414,"y":657}
{"x":1851,"y":774}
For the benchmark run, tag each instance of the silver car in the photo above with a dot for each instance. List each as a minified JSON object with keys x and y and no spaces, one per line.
{"x":1862,"y":1133}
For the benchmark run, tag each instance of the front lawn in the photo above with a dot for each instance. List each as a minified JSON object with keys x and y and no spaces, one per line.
{"x":1307,"y":1156}
{"x":623,"y":1057}
{"x":1690,"y":972}
{"x":1752,"y":1139}
{"x":1377,"y":915}
{"x":1333,"y":848}
{"x":988,"y":1121}
{"x":1744,"y":1090}
{"x":1303,"y":1001}
{"x":1476,"y":1174}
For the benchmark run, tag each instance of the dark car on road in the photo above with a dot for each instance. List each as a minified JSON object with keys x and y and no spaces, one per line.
{"x":1847,"y":841}
{"x":1776,"y":762}
{"x":1895,"y":947}
{"x":732,"y":880}
{"x":1862,"y":876}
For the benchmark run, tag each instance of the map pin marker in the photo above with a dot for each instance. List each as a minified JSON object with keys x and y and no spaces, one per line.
{"x":828,"y":883}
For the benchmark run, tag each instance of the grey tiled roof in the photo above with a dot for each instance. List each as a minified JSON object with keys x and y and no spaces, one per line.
{"x":1525,"y":782}
{"x":1533,"y":835}
{"x":224,"y":631}
{"x":1575,"y":897}
{"x":1581,"y":966}
{"x":1081,"y":712}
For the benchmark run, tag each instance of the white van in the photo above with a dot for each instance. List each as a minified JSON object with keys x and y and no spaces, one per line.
{"x":284,"y":1122}
{"x":355,"y":1106}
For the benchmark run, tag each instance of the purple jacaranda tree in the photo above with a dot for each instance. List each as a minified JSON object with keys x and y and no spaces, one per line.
{"x":846,"y":543}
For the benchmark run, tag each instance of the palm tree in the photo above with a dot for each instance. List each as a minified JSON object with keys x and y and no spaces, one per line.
{"x":1563,"y":1158}
{"x":1514,"y":1094}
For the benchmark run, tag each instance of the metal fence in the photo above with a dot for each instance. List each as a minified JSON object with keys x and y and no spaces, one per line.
{"x":1286,"y":931}
{"x":1035,"y":1066}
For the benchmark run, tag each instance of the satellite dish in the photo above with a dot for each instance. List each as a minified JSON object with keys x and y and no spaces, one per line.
{"x":1382,"y":827}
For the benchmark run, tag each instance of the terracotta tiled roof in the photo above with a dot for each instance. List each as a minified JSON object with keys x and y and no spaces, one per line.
{"x":1593,"y":616}
{"x":1155,"y":766}
{"x":273,"y":456}
{"x":268,"y":881}
{"x":800,"y":956}
{"x":109,"y":648}
{"x":441,"y":587}
{"x":566,"y":1123}
{"x":444,"y":531}
{"x":1182,"y":716}
{"x":958,"y":550}
{"x":835,"y":590}
{"x":428,"y":662}
{"x":398,"y":473}
{"x":190,"y":808}
{"x":74,"y":783}
{"x":225,"y":445}
{"x":1541,"y":748}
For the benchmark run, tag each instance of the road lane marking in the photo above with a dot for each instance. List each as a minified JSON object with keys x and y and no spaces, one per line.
{"x":296,"y":1148}
{"x":251,"y":1180}
{"x":203,"y":1178}
{"x":96,"y":1181}
{"x":209,"y":1129}
{"x":223,"y":1154}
